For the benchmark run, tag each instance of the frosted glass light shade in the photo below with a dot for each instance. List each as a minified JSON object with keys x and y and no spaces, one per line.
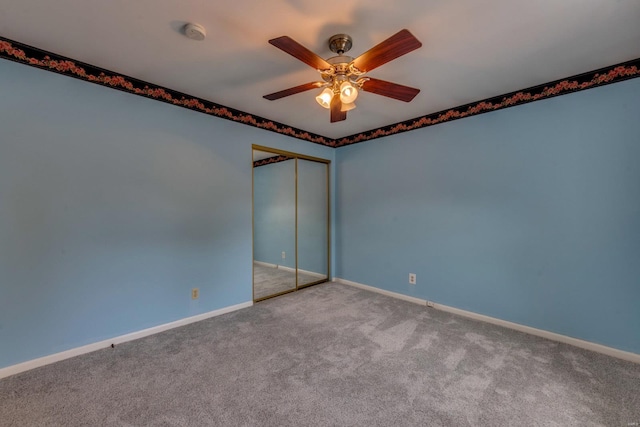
{"x":348,"y":107}
{"x":348,"y":93}
{"x":324,"y":99}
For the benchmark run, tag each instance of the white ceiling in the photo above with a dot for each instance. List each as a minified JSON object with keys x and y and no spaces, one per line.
{"x":472,"y":49}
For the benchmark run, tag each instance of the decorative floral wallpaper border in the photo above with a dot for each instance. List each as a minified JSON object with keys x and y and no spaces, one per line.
{"x":612,"y":74}
{"x":18,"y":52}
{"x":271,"y":160}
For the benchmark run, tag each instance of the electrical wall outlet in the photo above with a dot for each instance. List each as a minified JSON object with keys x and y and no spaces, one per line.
{"x":284,"y":255}
{"x":412,"y":278}
{"x":195,"y":293}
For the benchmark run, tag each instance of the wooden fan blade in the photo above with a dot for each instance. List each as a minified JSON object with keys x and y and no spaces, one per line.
{"x":293,"y":90}
{"x":300,"y":52}
{"x":337,"y":115}
{"x":391,"y":90}
{"x":395,"y":46}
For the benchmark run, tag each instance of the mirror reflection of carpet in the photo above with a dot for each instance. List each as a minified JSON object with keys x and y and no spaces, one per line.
{"x":269,"y":280}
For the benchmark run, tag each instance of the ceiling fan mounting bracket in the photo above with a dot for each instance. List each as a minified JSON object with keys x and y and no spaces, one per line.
{"x":340,"y":43}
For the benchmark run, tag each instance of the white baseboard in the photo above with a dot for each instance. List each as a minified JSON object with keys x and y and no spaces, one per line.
{"x":52,"y":358}
{"x":314,"y":274}
{"x":290,"y":269}
{"x":265,"y":264}
{"x":587,"y":345}
{"x":381,"y":291}
{"x":307,"y":272}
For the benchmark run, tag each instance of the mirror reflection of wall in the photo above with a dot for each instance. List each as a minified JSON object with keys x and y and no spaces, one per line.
{"x":274,"y":216}
{"x":290,"y":222}
{"x":312,"y":221}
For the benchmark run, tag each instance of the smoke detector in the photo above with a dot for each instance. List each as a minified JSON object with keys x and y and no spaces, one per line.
{"x":195,"y":31}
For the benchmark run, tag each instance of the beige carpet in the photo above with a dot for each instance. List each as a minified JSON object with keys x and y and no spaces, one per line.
{"x":269,"y":281}
{"x":330,"y":355}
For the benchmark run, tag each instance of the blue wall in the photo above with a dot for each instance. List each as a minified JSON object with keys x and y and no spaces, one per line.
{"x":530,"y":214}
{"x":312,"y":216}
{"x":274,"y":217}
{"x":112,"y":207}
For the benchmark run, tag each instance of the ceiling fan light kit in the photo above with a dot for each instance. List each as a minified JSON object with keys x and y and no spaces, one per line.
{"x":344,"y":76}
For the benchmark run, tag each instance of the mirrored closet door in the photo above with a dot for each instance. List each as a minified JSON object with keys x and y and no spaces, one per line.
{"x":290,"y":222}
{"x":313,"y":220}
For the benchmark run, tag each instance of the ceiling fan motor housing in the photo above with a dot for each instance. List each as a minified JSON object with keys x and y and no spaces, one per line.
{"x":340,"y":66}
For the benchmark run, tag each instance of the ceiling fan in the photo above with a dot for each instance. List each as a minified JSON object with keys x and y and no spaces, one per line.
{"x":343,"y":76}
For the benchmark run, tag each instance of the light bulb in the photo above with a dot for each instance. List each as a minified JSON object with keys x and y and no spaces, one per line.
{"x":324,"y":99}
{"x":348,"y":93}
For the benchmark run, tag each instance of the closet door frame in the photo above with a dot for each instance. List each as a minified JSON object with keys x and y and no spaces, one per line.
{"x":295,"y":156}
